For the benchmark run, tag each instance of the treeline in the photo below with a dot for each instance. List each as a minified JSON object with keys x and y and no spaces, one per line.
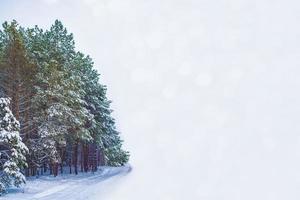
{"x":54,"y":91}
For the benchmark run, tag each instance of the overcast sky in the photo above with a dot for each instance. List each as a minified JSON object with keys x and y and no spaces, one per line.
{"x":205,"y":92}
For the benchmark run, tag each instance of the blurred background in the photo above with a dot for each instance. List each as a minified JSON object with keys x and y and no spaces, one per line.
{"x":205,"y":92}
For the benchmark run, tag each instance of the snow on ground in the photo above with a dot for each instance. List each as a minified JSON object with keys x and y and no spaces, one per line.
{"x":87,"y":186}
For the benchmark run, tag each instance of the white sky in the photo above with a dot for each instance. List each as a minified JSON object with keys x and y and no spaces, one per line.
{"x":206,"y":92}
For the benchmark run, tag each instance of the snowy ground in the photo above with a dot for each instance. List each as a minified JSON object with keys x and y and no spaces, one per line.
{"x":85,"y":186}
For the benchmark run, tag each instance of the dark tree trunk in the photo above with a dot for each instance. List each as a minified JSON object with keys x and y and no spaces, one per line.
{"x":76,"y":156}
{"x":81,"y":158}
{"x":55,"y":169}
{"x":61,"y":168}
{"x":51,"y":169}
{"x":45,"y":168}
{"x":86,"y":157}
{"x":70,"y":166}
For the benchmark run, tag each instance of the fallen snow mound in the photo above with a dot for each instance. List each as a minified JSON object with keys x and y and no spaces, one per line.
{"x":65,"y":187}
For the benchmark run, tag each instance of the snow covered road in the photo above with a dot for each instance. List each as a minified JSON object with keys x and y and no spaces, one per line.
{"x":85,"y":186}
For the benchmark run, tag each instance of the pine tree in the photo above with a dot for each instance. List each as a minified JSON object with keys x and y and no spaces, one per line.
{"x":56,"y":94}
{"x":114,"y":154}
{"x":13,"y":150}
{"x":17,"y":77}
{"x":59,"y":95}
{"x":106,"y":138}
{"x":17,"y":74}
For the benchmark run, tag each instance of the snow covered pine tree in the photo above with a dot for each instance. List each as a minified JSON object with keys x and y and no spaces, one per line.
{"x":56,"y":96}
{"x":12,"y":149}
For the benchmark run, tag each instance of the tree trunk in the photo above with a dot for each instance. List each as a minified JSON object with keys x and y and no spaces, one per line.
{"x":85,"y":157}
{"x":51,"y":169}
{"x":55,"y":169}
{"x":76,"y":156}
{"x":81,"y":158}
{"x":70,"y":166}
